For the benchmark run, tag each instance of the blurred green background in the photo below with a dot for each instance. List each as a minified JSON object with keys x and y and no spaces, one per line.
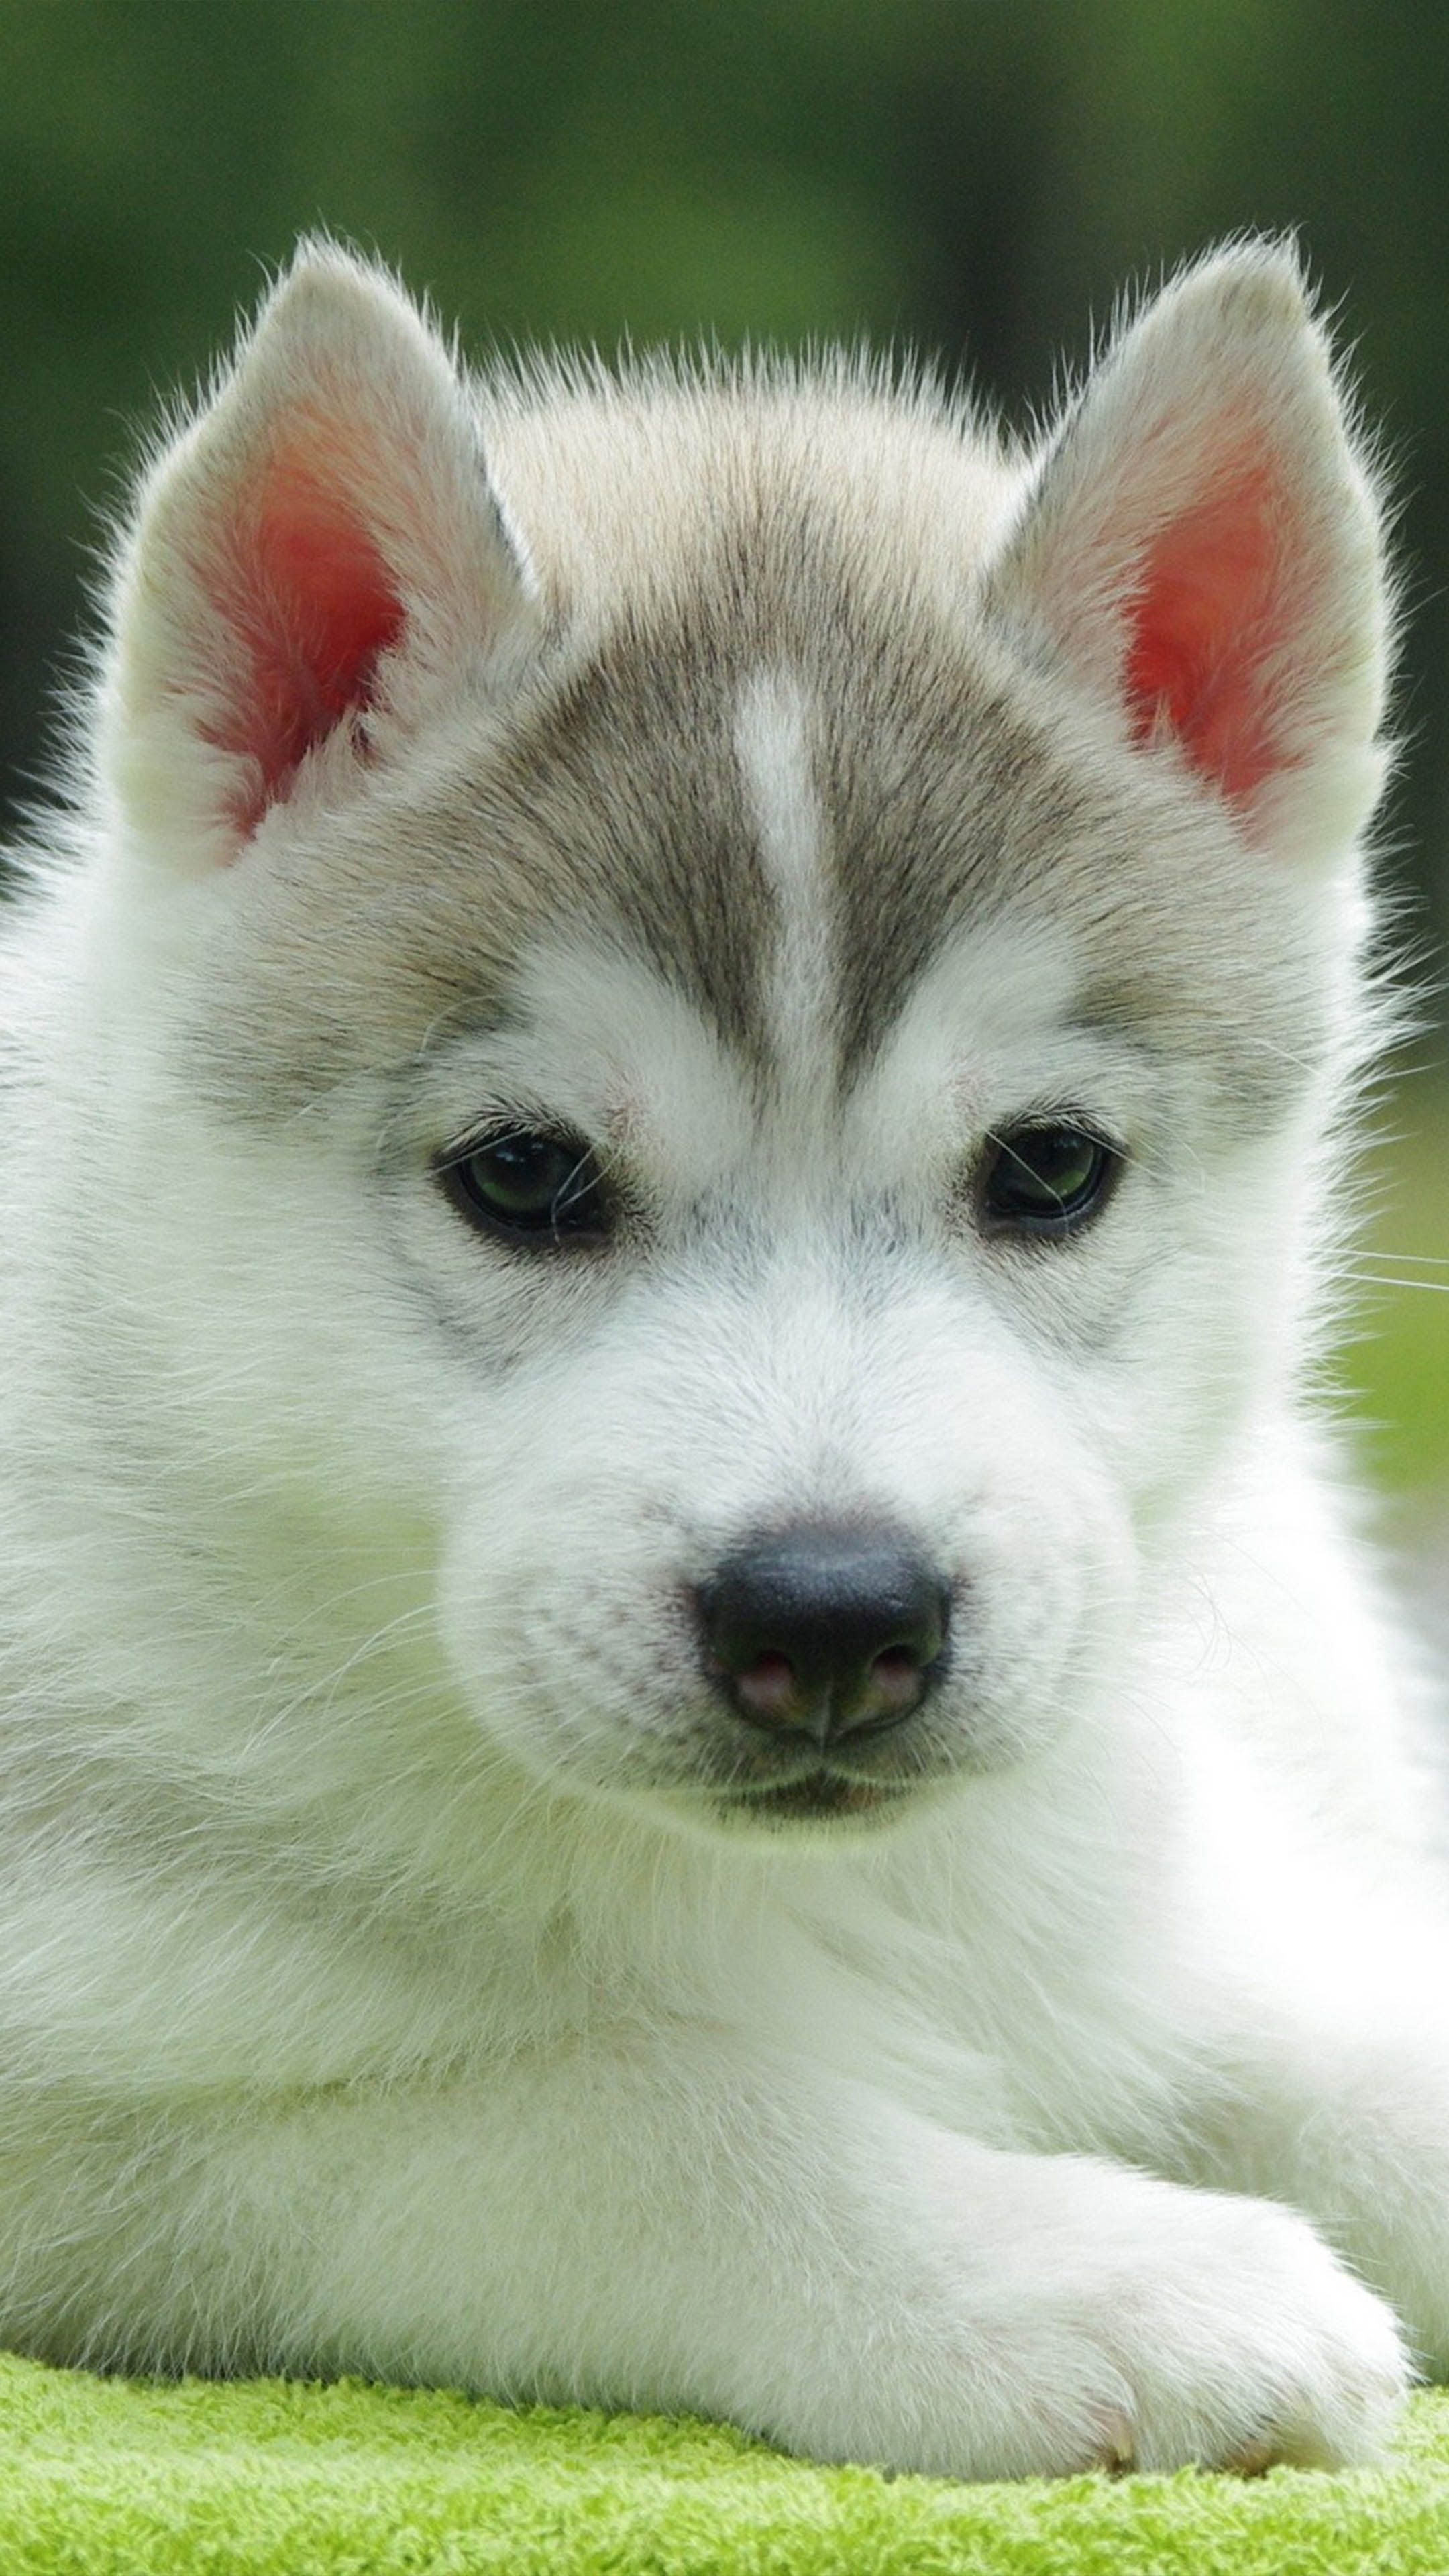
{"x":977,"y":176}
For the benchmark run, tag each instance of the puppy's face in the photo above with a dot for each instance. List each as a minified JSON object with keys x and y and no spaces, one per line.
{"x":821,"y":1401}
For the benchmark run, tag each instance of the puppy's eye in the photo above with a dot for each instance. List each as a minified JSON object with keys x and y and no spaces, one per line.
{"x":1046,"y":1178}
{"x":541,"y":1191}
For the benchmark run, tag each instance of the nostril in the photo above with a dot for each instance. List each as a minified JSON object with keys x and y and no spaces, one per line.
{"x":895,"y":1678}
{"x":766,"y":1686}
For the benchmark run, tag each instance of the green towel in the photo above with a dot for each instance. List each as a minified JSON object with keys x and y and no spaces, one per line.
{"x":106,"y":2477}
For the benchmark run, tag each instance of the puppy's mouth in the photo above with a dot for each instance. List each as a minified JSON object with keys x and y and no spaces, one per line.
{"x":817,"y":1797}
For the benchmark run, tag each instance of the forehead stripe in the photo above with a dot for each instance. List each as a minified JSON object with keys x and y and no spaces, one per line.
{"x":772,"y":747}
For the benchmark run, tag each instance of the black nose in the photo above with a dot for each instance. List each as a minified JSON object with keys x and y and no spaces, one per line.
{"x":825,"y":1631}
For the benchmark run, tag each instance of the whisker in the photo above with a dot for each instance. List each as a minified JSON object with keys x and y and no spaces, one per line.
{"x":1410,"y":1260}
{"x":1386,"y":1279}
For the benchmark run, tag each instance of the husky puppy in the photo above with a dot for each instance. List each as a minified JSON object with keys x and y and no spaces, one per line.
{"x":692,"y":1716}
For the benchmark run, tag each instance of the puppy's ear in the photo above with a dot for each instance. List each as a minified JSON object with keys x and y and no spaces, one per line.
{"x":1202,"y":549}
{"x":315,"y":560}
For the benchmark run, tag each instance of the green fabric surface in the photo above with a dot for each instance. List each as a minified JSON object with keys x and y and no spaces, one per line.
{"x":260,"y":2476}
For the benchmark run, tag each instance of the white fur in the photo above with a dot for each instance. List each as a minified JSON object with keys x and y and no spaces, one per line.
{"x":386,"y":1983}
{"x":772,"y":745}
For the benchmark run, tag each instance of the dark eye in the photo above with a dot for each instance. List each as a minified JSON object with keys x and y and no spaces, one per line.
{"x":1047,"y":1178}
{"x":543,"y":1191}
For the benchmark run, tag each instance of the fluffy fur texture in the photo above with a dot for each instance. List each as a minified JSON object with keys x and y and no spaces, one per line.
{"x":412,"y":1960}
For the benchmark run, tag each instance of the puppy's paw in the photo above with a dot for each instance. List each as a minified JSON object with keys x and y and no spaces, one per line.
{"x":1227,"y":2336}
{"x":1096,"y":2318}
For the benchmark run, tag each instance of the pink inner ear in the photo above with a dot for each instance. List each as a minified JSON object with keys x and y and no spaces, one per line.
{"x":314,"y":608}
{"x":1209,"y":625}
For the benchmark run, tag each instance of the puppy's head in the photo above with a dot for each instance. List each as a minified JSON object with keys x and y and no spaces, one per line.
{"x":727,"y":997}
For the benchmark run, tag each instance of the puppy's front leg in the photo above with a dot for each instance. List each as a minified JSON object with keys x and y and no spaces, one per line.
{"x":676,"y":2220}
